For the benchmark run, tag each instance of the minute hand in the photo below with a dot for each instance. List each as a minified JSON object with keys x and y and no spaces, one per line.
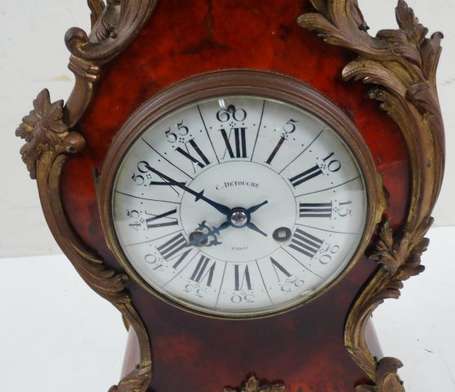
{"x":198,"y":195}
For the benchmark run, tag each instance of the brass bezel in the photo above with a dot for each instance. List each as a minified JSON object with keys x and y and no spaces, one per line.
{"x":231,"y":83}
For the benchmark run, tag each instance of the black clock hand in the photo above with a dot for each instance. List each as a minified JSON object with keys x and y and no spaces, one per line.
{"x":255,"y":208}
{"x":199,"y":195}
{"x":253,"y":227}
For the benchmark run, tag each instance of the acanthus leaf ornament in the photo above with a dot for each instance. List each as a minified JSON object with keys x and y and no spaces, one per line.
{"x":137,"y":381}
{"x":254,"y":385}
{"x":400,"y":254}
{"x":401,"y":66}
{"x":96,"y":7}
{"x":115,"y":24}
{"x":387,"y":379}
{"x":45,"y":131}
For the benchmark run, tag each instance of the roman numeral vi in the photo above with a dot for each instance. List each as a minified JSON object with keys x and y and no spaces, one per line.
{"x":242,"y":279}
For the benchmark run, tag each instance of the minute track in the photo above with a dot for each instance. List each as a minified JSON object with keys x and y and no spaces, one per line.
{"x":207,"y":133}
{"x":146,"y":198}
{"x":258,"y":131}
{"x":166,"y":159}
{"x":303,"y":151}
{"x":152,"y":240}
{"x":301,"y":264}
{"x":329,"y":188}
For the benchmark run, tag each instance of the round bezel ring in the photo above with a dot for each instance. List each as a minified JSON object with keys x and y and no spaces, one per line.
{"x":238,"y":82}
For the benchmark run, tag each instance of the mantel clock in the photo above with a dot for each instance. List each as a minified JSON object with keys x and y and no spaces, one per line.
{"x":221,"y":177}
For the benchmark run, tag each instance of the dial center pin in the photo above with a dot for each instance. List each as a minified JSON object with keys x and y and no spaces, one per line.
{"x":239,"y":217}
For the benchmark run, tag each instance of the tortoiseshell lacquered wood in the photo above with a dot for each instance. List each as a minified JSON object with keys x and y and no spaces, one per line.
{"x":304,"y":348}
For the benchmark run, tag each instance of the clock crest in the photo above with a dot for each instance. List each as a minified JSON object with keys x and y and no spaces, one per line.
{"x":226,"y":187}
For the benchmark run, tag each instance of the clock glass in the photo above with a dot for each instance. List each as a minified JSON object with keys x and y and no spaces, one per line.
{"x":239,"y":206}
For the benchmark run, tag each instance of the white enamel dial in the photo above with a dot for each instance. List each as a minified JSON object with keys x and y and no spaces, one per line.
{"x":239,"y":206}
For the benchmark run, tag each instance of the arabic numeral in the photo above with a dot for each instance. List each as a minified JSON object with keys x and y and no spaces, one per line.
{"x":240,"y":298}
{"x":155,"y":262}
{"x":331,"y":164}
{"x":138,"y":179}
{"x":344,"y":209}
{"x":194,"y":289}
{"x":178,"y":133}
{"x":225,"y":115}
{"x":134,"y":214}
{"x":327,"y":253}
{"x":151,"y":258}
{"x":291,"y":284}
{"x":134,"y":219}
{"x":289,"y":127}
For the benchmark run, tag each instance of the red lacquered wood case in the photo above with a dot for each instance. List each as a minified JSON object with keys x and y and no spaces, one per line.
{"x":137,"y":51}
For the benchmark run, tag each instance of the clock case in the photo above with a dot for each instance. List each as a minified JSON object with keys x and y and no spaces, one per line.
{"x":136,"y":49}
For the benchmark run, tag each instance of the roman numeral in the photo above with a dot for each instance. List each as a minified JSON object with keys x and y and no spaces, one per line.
{"x":305,"y":243}
{"x":307,"y":175}
{"x":152,"y":222}
{"x":201,"y":161}
{"x":242,"y":279}
{"x":275,"y":150}
{"x":203,"y":271}
{"x":316,"y":210}
{"x":172,"y":247}
{"x":240,"y":143}
{"x":279,"y":269}
{"x":181,"y":258}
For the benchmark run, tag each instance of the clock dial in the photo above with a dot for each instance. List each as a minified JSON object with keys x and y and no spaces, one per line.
{"x":239,"y":205}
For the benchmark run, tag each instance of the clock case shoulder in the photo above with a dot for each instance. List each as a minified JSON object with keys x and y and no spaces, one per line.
{"x":400,"y":65}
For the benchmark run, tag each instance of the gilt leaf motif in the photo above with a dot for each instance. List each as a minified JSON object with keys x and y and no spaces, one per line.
{"x":254,"y":385}
{"x":136,"y":381}
{"x":45,"y":131}
{"x":387,"y":379}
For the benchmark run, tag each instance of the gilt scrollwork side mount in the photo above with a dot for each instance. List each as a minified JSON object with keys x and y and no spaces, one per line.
{"x":400,"y":66}
{"x":50,"y":139}
{"x":115,"y":24}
